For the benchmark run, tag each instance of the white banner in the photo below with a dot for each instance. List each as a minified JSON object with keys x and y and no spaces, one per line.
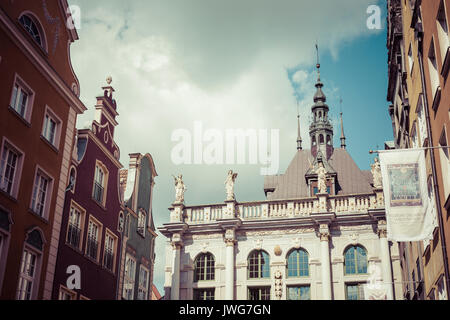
{"x":408,"y":202}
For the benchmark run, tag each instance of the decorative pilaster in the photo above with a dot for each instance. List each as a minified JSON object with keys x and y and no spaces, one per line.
{"x":230,"y":212}
{"x":177,"y":244}
{"x":176,"y":213}
{"x":323,"y":202}
{"x":385,"y":258}
{"x":324,"y":233}
{"x":230,"y":240}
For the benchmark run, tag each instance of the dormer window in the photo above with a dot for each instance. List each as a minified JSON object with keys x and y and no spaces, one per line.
{"x":33,"y":29}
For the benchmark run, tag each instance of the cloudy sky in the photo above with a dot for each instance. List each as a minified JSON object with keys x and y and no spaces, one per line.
{"x":231,"y":65}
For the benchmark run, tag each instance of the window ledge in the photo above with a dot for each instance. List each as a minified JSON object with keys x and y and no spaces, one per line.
{"x":49,"y":144}
{"x":9,"y":196}
{"x":446,"y":64}
{"x":91,"y":259}
{"x":18,"y":115}
{"x":38,"y":216}
{"x":99,"y":204}
{"x":77,"y":250}
{"x":437,"y":98}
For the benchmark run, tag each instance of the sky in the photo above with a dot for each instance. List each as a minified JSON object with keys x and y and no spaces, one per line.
{"x":230,"y":65}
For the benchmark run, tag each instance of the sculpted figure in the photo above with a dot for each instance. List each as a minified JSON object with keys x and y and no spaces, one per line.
{"x":180,"y":188}
{"x":376,"y":173}
{"x":229,"y":185}
{"x":322,"y":178}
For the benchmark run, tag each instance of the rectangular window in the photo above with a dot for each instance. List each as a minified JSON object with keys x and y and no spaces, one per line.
{"x":299,"y":293}
{"x":141,"y":223}
{"x":259,"y":294}
{"x":354,"y":291}
{"x":65,"y":294}
{"x":8,"y":169}
{"x":40,"y":194}
{"x":143,"y":283}
{"x":434,"y":75}
{"x":444,"y":42}
{"x":129,"y":276}
{"x":93,"y":240}
{"x":75,"y":227}
{"x":98,"y":184}
{"x":49,"y":131}
{"x":26,"y":276}
{"x":109,"y":254}
{"x":204,"y":294}
{"x":444,"y":156}
{"x":21,"y":99}
{"x":441,"y":294}
{"x":410,"y":59}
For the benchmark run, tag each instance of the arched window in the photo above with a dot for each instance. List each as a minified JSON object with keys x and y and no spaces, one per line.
{"x":355,"y":260}
{"x":297,"y":263}
{"x":33,"y":28}
{"x":321,"y":139}
{"x":328,"y":140}
{"x":314,"y":142}
{"x":204,"y":267}
{"x":258,"y":265}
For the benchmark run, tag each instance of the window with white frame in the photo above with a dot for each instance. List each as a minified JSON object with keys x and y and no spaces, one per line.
{"x":66,"y":294}
{"x":41,"y":194}
{"x":141,"y":223}
{"x":143,"y":283}
{"x":21,"y":99}
{"x":421,"y":121}
{"x":27,"y":275}
{"x":10,"y":165}
{"x":443,"y":36}
{"x":51,"y":127}
{"x":410,"y":59}
{"x":93,"y":240}
{"x":444,"y":156}
{"x":129,"y":277}
{"x":75,"y":227}
{"x":100,"y":179}
{"x":109,"y":252}
{"x":433,"y":71}
{"x":414,"y":138}
{"x":441,"y":292}
{"x":33,"y":28}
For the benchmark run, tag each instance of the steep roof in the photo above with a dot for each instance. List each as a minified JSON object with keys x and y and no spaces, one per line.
{"x":292,"y":184}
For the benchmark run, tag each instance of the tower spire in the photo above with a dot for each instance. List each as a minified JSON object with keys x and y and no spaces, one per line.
{"x":299,"y":137}
{"x":343,"y":145}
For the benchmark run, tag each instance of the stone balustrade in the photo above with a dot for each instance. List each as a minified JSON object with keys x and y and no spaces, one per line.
{"x":286,"y":209}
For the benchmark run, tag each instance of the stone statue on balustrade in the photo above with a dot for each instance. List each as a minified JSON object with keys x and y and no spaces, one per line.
{"x":376,"y":173}
{"x":180,"y":189}
{"x":322,"y":178}
{"x":229,"y":185}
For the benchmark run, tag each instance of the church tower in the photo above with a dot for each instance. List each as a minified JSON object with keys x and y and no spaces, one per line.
{"x":321,"y":129}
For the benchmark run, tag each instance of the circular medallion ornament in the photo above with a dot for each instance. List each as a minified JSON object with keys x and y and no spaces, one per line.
{"x":278,"y":251}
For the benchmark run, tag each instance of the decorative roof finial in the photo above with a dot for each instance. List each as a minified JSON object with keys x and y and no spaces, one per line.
{"x":343,"y":145}
{"x":299,"y":137}
{"x":318,"y":61}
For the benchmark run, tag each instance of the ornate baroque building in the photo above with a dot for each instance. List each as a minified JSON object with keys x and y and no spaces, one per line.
{"x":419,"y":60}
{"x":320,"y":234}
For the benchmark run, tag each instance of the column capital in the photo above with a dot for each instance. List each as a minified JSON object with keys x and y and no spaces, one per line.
{"x":324,"y":232}
{"x":382,"y":229}
{"x":230,"y":237}
{"x":177,"y":241}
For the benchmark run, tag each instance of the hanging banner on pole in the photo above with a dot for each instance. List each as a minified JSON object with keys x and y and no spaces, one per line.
{"x":409,"y":213}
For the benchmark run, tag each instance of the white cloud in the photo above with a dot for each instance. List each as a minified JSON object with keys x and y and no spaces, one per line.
{"x":221,"y":62}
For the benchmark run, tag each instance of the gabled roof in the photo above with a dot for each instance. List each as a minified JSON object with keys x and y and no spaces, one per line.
{"x":292,"y":184}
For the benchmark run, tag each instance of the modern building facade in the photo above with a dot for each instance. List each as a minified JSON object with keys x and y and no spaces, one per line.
{"x":138,"y":251}
{"x":418,"y":44}
{"x":39,"y":99}
{"x":91,"y":229}
{"x":321,"y":233}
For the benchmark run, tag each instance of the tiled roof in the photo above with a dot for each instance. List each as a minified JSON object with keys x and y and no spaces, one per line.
{"x":293,"y":184}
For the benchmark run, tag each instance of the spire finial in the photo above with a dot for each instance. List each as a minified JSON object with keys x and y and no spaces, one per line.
{"x":343,"y":145}
{"x":318,"y":60}
{"x":299,"y":137}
